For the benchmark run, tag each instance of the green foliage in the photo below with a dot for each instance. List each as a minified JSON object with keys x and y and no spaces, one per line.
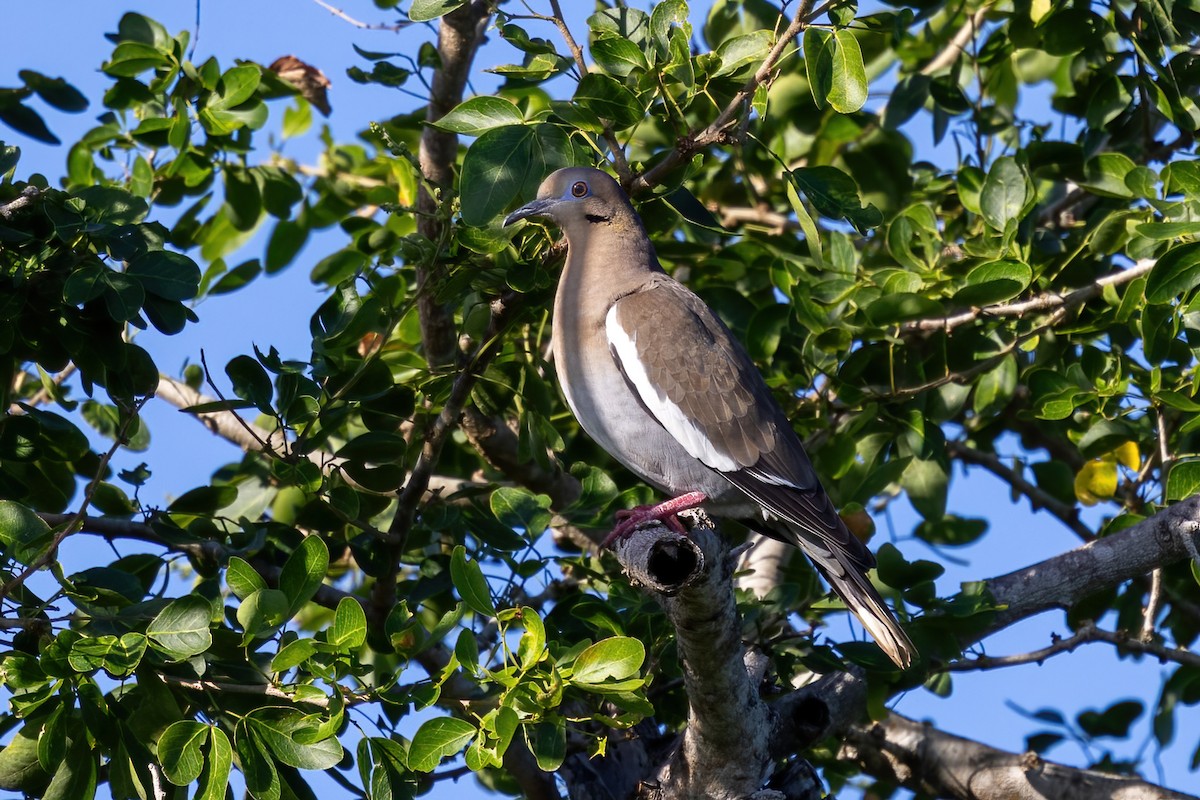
{"x":1029,"y":307}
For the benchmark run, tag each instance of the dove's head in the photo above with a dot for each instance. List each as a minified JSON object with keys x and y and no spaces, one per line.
{"x":576,"y":198}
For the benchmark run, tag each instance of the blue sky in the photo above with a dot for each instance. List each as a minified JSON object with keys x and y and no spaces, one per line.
{"x":62,"y":38}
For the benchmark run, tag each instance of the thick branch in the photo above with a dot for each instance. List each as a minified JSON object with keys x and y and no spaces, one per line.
{"x":926,"y":760}
{"x":1065,"y":579}
{"x":724,"y":752}
{"x":958,"y":44}
{"x":459,"y":35}
{"x":497,"y":442}
{"x":839,"y":699}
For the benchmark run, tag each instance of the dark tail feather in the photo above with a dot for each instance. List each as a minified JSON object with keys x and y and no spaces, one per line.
{"x":862,"y":598}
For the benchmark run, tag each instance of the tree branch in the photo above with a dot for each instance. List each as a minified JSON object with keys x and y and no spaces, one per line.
{"x":1042,"y":302}
{"x":1038,"y":498}
{"x":614,"y":146}
{"x":716,"y":130}
{"x":926,"y":760}
{"x":459,"y":35}
{"x":724,"y":751}
{"x":1065,"y":579}
{"x":1088,"y":632}
{"x":958,"y":44}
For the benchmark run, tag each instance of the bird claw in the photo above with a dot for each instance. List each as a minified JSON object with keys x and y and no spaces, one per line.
{"x":665,"y":512}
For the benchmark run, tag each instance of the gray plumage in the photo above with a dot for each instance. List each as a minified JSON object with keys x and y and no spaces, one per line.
{"x":655,"y":377}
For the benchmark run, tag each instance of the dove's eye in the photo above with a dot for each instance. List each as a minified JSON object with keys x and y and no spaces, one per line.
{"x":579,"y":189}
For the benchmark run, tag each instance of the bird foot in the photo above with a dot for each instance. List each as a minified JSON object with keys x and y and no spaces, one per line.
{"x":628,"y":520}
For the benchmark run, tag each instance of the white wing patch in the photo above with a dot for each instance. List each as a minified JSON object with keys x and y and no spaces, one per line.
{"x":670,"y":415}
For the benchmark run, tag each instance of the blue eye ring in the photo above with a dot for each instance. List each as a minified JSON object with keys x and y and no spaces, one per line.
{"x":579,"y":189}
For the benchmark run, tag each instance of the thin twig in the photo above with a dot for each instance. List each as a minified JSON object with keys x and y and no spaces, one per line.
{"x":1087,"y":633}
{"x":1039,"y":498}
{"x":716,"y":130}
{"x":1156,"y":584}
{"x":1042,"y":302}
{"x":76,"y":520}
{"x":979,"y":367}
{"x":618,"y":152}
{"x":263,"y":690}
{"x":395,"y":27}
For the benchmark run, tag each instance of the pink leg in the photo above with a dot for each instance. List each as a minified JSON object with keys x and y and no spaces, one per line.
{"x":629,"y":519}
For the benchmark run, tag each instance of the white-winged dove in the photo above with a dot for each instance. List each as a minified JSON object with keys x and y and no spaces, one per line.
{"x":659,"y":382}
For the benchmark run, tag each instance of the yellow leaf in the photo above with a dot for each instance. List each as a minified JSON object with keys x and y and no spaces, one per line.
{"x":1129,"y":456}
{"x":1038,"y":9}
{"x":1097,"y":480}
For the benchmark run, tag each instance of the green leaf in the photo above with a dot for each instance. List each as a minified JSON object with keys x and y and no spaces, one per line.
{"x":293,"y":654}
{"x":1052,"y":394}
{"x":848,"y":87}
{"x":349,"y":630}
{"x":742,"y":51}
{"x":23,"y":533}
{"x":170,"y":275}
{"x":469,"y":581}
{"x":533,"y":641}
{"x":994,"y":389}
{"x":261,"y":614}
{"x":994,"y":282}
{"x":20,"y":770}
{"x":615,"y":658}
{"x":425,"y":10}
{"x":907,"y":99}
{"x":436,"y":739}
{"x":618,"y":57}
{"x":835,"y":195}
{"x":250,"y":381}
{"x":1104,"y":436}
{"x":135,"y":27}
{"x":181,"y":630}
{"x":55,"y":91}
{"x":508,"y":163}
{"x":123,"y":295}
{"x":1105,"y":175}
{"x":375,"y":447}
{"x":818,"y":63}
{"x":119,"y":657}
{"x":1183,"y":480}
{"x":204,"y":500}
{"x":520,"y":508}
{"x":608,"y":99}
{"x":1176,"y":273}
{"x":338,"y":267}
{"x":280,"y":729}
{"x":892,"y":308}
{"x":179,"y":751}
{"x":262,"y":779}
{"x":214,"y":781}
{"x":548,"y":743}
{"x":1166,"y":231}
{"x":237,"y":85}
{"x":243,"y":198}
{"x":479,"y":115}
{"x":303,"y":572}
{"x":1114,"y":721}
{"x":130,"y":59}
{"x":75,"y":777}
{"x":1182,"y":177}
{"x":1005,"y":191}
